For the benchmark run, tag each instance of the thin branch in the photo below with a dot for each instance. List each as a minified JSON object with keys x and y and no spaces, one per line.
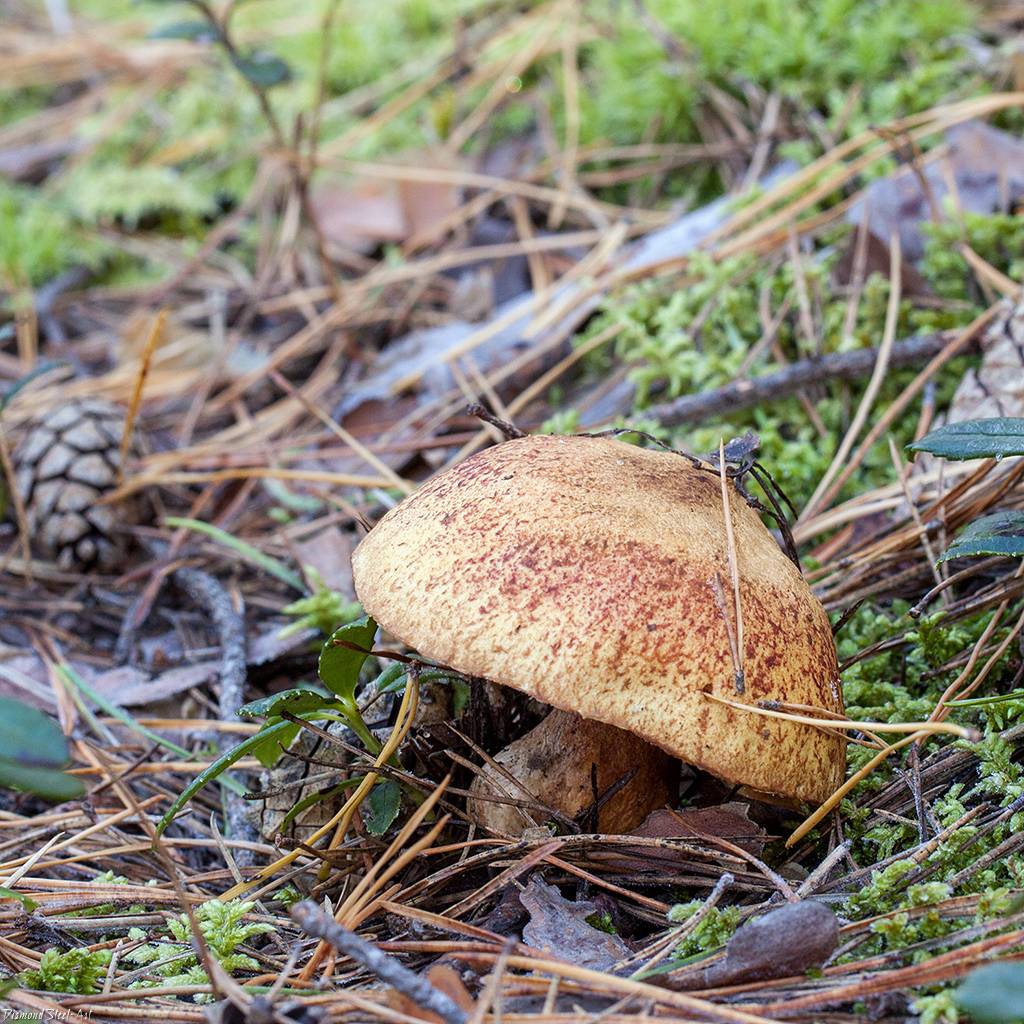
{"x":743,"y":394}
{"x":313,"y":921}
{"x":208,"y":593}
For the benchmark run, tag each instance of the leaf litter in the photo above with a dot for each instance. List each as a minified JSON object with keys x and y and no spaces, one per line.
{"x":322,"y":340}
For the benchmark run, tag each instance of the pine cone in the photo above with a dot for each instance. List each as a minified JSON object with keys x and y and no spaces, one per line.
{"x":65,"y":463}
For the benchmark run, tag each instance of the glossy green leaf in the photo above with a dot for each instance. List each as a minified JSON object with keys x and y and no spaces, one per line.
{"x":276,"y":737}
{"x":29,"y":737}
{"x":191,"y":30}
{"x":264,"y":70}
{"x":10,"y":894}
{"x":994,"y":994}
{"x":293,"y":701}
{"x":1001,"y":533}
{"x":49,"y":783}
{"x":395,"y":676}
{"x":269,"y":737}
{"x":392,"y":679}
{"x":340,"y":664}
{"x":32,"y":752}
{"x":992,"y":438}
{"x":382,"y":806}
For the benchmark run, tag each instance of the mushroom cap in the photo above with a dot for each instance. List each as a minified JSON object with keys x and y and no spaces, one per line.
{"x":580,"y":570}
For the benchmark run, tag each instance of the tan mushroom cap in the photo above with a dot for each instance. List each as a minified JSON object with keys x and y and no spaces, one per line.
{"x":578,"y":570}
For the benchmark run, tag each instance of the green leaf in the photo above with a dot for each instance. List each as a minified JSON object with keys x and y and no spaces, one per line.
{"x":194,"y":30}
{"x":270,"y":734}
{"x":45,"y":782}
{"x":339,"y":665}
{"x":994,"y":994}
{"x":392,"y":679}
{"x":315,"y":798}
{"x":992,"y":438}
{"x":32,"y":752}
{"x":274,"y":743}
{"x":247,"y":551}
{"x":10,"y":894}
{"x":29,"y":737}
{"x":460,"y":697}
{"x":1001,"y":533}
{"x":264,"y":70}
{"x":382,"y":807}
{"x":293,"y":701}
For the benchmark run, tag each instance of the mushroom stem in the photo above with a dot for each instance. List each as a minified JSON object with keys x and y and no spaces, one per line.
{"x":555,"y":768}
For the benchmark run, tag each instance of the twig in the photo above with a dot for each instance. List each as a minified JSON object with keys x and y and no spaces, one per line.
{"x":207,"y":592}
{"x":313,"y":921}
{"x":510,"y":430}
{"x":743,"y":394}
{"x":821,"y":872}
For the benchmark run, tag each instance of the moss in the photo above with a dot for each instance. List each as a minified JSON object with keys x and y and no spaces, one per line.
{"x":997,"y":238}
{"x":902,"y":55}
{"x":224,"y":929}
{"x":40,"y":237}
{"x":714,"y":931}
{"x":697,"y":337}
{"x":79,"y":971}
{"x":939,"y":1008}
{"x":191,"y":150}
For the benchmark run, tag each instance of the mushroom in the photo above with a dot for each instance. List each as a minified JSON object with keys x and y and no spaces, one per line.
{"x":565,"y":764}
{"x":589,"y":574}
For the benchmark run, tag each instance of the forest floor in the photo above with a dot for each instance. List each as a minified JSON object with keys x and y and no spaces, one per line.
{"x":257,"y":265}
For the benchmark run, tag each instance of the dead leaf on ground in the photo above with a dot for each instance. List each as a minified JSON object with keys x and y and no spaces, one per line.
{"x":559,"y":926}
{"x":724,"y":821}
{"x":445,"y":979}
{"x":363,"y":215}
{"x":984,"y":165}
{"x":877,"y":261}
{"x":996,"y":387}
{"x":329,"y":551}
{"x":360,"y":216}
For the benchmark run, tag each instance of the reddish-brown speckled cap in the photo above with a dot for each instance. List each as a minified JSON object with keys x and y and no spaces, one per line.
{"x":578,"y":570}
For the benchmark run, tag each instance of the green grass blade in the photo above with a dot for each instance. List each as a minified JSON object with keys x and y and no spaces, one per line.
{"x":69,"y":675}
{"x":241,"y":548}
